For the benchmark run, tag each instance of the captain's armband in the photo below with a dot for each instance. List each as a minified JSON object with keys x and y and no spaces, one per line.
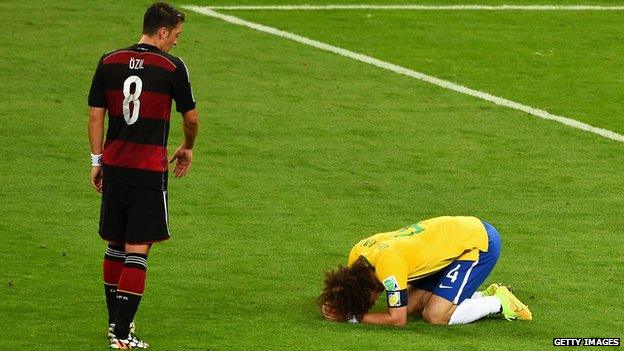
{"x":397,"y":298}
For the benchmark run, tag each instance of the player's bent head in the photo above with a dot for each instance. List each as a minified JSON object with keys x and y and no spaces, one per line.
{"x":350,"y":291}
{"x":159,"y":15}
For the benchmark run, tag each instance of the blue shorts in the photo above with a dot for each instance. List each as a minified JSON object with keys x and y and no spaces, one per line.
{"x":459,"y":280}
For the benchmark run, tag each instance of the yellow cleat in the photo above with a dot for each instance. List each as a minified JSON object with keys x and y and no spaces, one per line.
{"x":512,"y":307}
{"x":490,"y":290}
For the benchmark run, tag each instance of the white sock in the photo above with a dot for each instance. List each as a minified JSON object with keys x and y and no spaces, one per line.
{"x":477,"y":294}
{"x":472,"y":309}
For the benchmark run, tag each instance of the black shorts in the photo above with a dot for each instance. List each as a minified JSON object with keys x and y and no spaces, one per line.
{"x":133,"y":215}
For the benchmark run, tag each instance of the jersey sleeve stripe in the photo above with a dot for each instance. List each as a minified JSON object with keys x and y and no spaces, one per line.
{"x":188,"y":77}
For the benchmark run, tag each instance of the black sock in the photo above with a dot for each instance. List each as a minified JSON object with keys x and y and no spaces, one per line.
{"x":127,"y":305}
{"x":111,"y":302}
{"x":112,"y":266}
{"x":129,"y":292}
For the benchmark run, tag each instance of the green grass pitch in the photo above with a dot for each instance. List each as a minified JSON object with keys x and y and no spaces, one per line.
{"x":301,"y":153}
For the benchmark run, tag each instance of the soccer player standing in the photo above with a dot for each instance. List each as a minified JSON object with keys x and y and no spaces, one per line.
{"x":136,"y":85}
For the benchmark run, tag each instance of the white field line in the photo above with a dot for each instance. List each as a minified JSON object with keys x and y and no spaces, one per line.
{"x":410,"y":73}
{"x":423,"y":7}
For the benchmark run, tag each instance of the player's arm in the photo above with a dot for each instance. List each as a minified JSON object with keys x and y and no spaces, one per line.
{"x":184,"y":154}
{"x":185,"y":104}
{"x":392,"y":271}
{"x":97,"y":113}
{"x":393,"y":316}
{"x":96,"y":139}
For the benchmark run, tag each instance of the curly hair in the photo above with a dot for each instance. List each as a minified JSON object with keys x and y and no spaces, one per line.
{"x":347,"y":290}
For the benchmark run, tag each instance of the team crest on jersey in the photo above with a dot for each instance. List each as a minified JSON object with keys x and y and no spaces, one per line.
{"x":391,"y":284}
{"x":394,"y":298}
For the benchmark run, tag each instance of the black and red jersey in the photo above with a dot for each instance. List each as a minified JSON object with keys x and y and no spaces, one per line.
{"x":136,"y":85}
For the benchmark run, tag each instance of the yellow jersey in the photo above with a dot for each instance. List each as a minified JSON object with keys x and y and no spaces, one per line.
{"x":421,"y":249}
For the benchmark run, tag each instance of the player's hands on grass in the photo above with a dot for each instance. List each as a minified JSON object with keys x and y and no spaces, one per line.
{"x":330,"y":314}
{"x":183,"y":158}
{"x":96,"y":178}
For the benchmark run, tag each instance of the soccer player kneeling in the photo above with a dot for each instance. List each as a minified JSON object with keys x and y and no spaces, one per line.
{"x":432,"y":269}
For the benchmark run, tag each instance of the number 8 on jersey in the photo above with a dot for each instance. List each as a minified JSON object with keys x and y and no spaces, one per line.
{"x":132,"y":115}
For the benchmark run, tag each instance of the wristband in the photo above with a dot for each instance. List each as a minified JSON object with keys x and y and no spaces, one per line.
{"x":96,"y":160}
{"x":353,"y":320}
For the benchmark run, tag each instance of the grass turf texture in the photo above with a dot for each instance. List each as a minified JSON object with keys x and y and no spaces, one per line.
{"x":301,"y":154}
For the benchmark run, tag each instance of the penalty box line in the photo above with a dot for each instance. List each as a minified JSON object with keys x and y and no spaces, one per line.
{"x":422,"y":7}
{"x":410,"y":73}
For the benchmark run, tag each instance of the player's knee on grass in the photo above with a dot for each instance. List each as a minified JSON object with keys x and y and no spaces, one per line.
{"x":438,"y":311}
{"x":417,"y":301}
{"x":435,"y":318}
